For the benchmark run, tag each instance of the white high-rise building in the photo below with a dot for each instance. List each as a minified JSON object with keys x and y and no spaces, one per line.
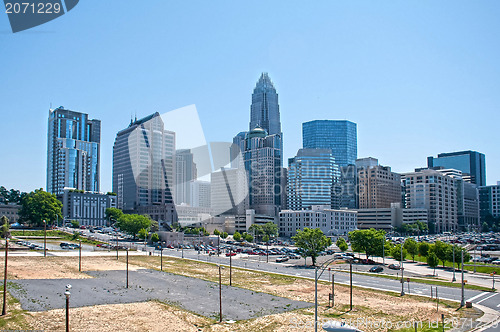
{"x":436,"y":192}
{"x":200,"y":193}
{"x":143,"y":164}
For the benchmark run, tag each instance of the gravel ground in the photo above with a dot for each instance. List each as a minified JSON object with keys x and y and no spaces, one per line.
{"x":108,"y":287}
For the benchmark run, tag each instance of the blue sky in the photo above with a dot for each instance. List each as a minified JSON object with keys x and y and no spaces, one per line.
{"x":418,"y":77}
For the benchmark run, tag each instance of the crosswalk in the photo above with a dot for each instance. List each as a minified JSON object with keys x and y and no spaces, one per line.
{"x":478,"y":296}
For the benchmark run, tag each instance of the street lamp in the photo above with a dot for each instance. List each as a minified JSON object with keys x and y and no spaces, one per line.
{"x":68,"y":295}
{"x":44,"y":238}
{"x":127,"y":267}
{"x":322,"y":267}
{"x":462,"y":302}
{"x":402,"y":269}
{"x":4,"y":310}
{"x":220,"y":293}
{"x":454,"y":279}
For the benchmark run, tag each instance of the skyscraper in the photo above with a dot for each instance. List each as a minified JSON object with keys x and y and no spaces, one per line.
{"x":73,"y":151}
{"x":263,"y":160}
{"x":378,"y":187}
{"x":265,"y":111}
{"x":143,"y":164}
{"x":312,"y":174}
{"x":471,"y":163}
{"x":338,"y":135}
{"x":184,"y":174}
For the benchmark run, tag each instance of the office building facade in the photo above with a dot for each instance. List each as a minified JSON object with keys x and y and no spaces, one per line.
{"x":265,"y":111}
{"x":471,"y":163}
{"x":431,"y":190}
{"x":73,"y":151}
{"x":144,"y":165}
{"x":378,"y":187}
{"x":88,"y":208}
{"x":338,"y":135}
{"x":185,"y":172}
{"x":331,"y":222}
{"x":311,"y":177}
{"x":489,"y":201}
{"x":200,"y":194}
{"x":388,"y":219}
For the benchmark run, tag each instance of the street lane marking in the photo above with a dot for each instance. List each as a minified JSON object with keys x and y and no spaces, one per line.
{"x":478,"y":295}
{"x":486,"y":298}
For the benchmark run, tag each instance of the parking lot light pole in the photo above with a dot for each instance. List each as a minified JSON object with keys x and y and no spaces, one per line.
{"x":127,"y":268}
{"x":80,"y":256}
{"x":383,"y":250}
{"x":454,"y":279}
{"x":44,"y":238}
{"x":68,"y":295}
{"x":161,"y":257}
{"x":220,"y":293}
{"x":231,"y":267}
{"x":462,"y":302}
{"x":402,"y":271}
{"x":4,"y":309}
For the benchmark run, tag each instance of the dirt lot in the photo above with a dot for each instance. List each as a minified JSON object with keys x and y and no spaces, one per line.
{"x":370,"y":306}
{"x":60,"y":267}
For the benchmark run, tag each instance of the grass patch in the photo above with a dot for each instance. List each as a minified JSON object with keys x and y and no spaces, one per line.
{"x":62,"y":235}
{"x":15,"y":318}
{"x":480,"y":267}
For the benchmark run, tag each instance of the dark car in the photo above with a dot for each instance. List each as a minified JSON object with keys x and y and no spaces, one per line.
{"x":376,"y":269}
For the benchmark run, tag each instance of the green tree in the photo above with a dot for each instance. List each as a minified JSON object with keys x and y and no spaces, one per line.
{"x":369,"y":241}
{"x":38,"y":206}
{"x":270,"y":229}
{"x":237,"y":236}
{"x":216,"y":232}
{"x":433,"y":261}
{"x":143,"y":234}
{"x":113,"y":214}
{"x":224,"y":235}
{"x":4,"y":229}
{"x":441,"y":250}
{"x":155,"y":227}
{"x":412,"y":247}
{"x":247,"y":237}
{"x":396,"y":252}
{"x":342,"y":244}
{"x":75,"y":224}
{"x":256,"y":230}
{"x":265,"y":238}
{"x":155,"y":238}
{"x":133,"y":223}
{"x":423,"y":249}
{"x":311,"y":242}
{"x":485,"y":228}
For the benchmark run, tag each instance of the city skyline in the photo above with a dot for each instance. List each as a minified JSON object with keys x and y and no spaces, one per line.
{"x":410,"y":90}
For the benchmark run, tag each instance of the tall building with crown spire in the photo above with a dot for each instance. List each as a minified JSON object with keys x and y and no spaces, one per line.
{"x":265,"y":110}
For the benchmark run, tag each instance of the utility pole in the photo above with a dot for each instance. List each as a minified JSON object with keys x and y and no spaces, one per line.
{"x":462,"y":302}
{"x":80,"y":256}
{"x":350,"y":272}
{"x":44,"y":238}
{"x":127,"y":268}
{"x":402,"y":272}
{"x":4,"y":309}
{"x":454,"y":279}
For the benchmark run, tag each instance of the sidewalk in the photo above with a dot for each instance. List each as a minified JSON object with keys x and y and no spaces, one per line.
{"x":478,"y":279}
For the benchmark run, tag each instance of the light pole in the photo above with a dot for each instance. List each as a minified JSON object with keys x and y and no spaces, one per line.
{"x":80,"y":256}
{"x":322,"y":267}
{"x":68,"y":295}
{"x":402,"y":270}
{"x":127,"y":267}
{"x":231,"y":267}
{"x":220,"y":293}
{"x":4,"y":309}
{"x":462,"y":302}
{"x":454,"y":279}
{"x":383,"y":250}
{"x":161,"y":256}
{"x":44,"y":238}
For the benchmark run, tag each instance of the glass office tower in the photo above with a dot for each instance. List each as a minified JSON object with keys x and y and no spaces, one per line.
{"x":312,"y":174}
{"x":471,"y":163}
{"x":338,"y":135}
{"x":73,"y":151}
{"x":265,"y":111}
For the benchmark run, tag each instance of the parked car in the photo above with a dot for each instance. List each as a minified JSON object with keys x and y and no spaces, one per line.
{"x":229,"y":254}
{"x":394,"y":267}
{"x":376,"y":269}
{"x":281,"y":259}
